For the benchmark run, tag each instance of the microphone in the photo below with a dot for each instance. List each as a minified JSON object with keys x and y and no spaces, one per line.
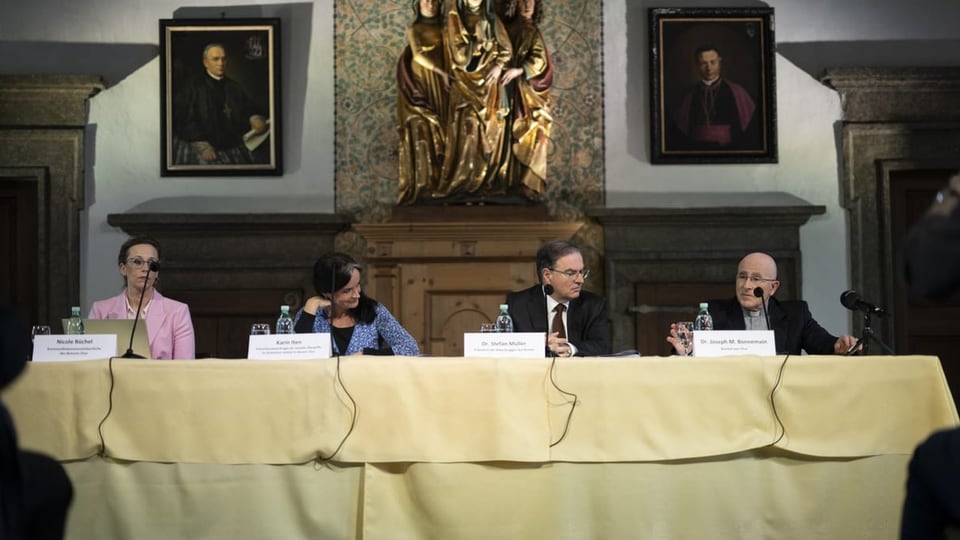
{"x":548,"y":289}
{"x":854,"y":302}
{"x":758,"y":292}
{"x":154,"y":266}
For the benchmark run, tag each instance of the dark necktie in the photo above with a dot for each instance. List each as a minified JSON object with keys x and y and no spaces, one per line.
{"x":557,"y":325}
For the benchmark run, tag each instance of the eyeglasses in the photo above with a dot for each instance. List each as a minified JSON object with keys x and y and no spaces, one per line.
{"x":137,"y":262}
{"x":572,"y":273}
{"x":755,"y":278}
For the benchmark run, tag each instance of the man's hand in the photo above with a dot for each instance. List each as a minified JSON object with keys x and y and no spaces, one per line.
{"x":558,"y":345}
{"x":844,"y":344}
{"x":258,"y":124}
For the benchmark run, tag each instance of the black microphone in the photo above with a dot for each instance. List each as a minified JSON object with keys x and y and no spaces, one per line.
{"x":154,"y":266}
{"x":548,"y":289}
{"x":758,"y":292}
{"x":854,"y":302}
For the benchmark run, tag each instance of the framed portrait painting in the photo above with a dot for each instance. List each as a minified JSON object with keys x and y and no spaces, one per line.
{"x":220,"y":97}
{"x":713,"y":85}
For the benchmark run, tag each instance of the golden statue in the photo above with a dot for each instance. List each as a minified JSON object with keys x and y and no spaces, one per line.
{"x":422,"y":99}
{"x":477,"y":49}
{"x":473,"y":106}
{"x":532,"y":75}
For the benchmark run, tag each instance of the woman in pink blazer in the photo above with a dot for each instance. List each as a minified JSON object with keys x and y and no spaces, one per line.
{"x":169,"y":327}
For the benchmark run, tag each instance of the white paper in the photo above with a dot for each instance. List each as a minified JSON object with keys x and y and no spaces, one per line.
{"x":505,"y":344}
{"x":73,"y":348}
{"x":712,"y":343}
{"x":289,"y":347}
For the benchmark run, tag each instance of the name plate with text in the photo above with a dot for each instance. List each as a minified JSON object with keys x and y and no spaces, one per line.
{"x":505,"y":344}
{"x":734,"y":343}
{"x":289,"y":347}
{"x":71,"y":348}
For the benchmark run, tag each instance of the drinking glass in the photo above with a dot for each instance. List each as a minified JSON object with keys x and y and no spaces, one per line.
{"x":685,"y":334}
{"x":488,"y":327}
{"x":260,"y":329}
{"x":39,"y":330}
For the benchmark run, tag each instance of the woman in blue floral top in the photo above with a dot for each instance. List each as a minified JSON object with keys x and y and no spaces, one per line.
{"x":359,"y":324}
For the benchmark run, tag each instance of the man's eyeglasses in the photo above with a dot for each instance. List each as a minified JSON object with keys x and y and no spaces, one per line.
{"x":755,"y":278}
{"x":572,"y":273}
{"x":137,"y":262}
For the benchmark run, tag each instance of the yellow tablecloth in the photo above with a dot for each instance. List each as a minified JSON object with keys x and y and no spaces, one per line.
{"x":461,"y":448}
{"x":474,"y":410}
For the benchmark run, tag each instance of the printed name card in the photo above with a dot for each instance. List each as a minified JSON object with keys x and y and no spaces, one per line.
{"x":734,"y":343}
{"x":505,"y":344}
{"x":71,"y":348}
{"x":289,"y":347}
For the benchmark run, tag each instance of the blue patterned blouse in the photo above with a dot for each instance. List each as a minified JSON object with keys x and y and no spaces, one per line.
{"x":366,"y":336}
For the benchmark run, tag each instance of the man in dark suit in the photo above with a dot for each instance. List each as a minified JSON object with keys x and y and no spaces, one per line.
{"x":794,"y":328}
{"x":35,"y":491}
{"x":575,"y":320}
{"x":931,"y":508}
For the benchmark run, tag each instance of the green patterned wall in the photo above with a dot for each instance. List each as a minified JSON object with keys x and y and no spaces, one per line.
{"x":370,"y":37}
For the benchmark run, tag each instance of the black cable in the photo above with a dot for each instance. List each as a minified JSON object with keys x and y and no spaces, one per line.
{"x":103,"y":445}
{"x":773,"y":403}
{"x":353,"y":419}
{"x":573,"y":405}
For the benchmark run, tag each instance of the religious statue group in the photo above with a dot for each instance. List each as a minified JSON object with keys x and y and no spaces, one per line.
{"x":473,"y":107}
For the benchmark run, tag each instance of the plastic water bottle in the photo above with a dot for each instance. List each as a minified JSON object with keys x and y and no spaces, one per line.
{"x":703,"y":321}
{"x":504,"y":322}
{"x":284,"y":323}
{"x":74,"y":323}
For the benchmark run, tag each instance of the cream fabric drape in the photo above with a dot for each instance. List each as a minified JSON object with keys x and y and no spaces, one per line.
{"x":475,"y":410}
{"x":459,"y":448}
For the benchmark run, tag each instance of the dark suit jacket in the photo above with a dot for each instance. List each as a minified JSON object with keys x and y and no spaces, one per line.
{"x":587,"y":325}
{"x":793,"y":326}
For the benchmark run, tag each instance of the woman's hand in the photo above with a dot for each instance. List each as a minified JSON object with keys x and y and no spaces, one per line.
{"x":314,"y":303}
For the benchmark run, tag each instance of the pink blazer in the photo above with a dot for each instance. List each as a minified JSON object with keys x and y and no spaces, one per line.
{"x":169,"y":327}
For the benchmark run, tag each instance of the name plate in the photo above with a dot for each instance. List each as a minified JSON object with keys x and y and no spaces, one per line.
{"x":70,"y":348}
{"x":734,"y":343}
{"x":505,"y":344}
{"x":289,"y":347}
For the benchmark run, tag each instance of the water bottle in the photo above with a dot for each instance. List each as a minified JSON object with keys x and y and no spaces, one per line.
{"x":504,"y":323}
{"x":703,"y":321}
{"x":75,"y":323}
{"x":284,"y":323}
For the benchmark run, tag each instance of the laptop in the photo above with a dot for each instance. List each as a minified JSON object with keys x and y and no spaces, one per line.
{"x":120,"y":328}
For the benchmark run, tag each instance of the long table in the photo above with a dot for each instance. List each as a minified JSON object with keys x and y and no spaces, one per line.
{"x":477,"y":448}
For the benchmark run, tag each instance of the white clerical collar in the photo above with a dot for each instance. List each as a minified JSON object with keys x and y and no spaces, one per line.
{"x":214,"y":76}
{"x":710,"y":83}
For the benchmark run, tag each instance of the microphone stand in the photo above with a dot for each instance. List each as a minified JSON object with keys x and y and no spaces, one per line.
{"x":136,"y":319}
{"x":868,"y":335}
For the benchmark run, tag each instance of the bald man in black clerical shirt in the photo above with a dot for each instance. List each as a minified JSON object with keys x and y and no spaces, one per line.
{"x":211,"y":115}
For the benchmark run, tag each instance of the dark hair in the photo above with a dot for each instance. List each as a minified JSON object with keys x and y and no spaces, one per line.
{"x":548,"y":254}
{"x":704,"y":48}
{"x":508,"y":11}
{"x":332,"y":272}
{"x":136,"y":241}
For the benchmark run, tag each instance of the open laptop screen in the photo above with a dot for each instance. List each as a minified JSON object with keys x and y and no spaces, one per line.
{"x":121,"y":328}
